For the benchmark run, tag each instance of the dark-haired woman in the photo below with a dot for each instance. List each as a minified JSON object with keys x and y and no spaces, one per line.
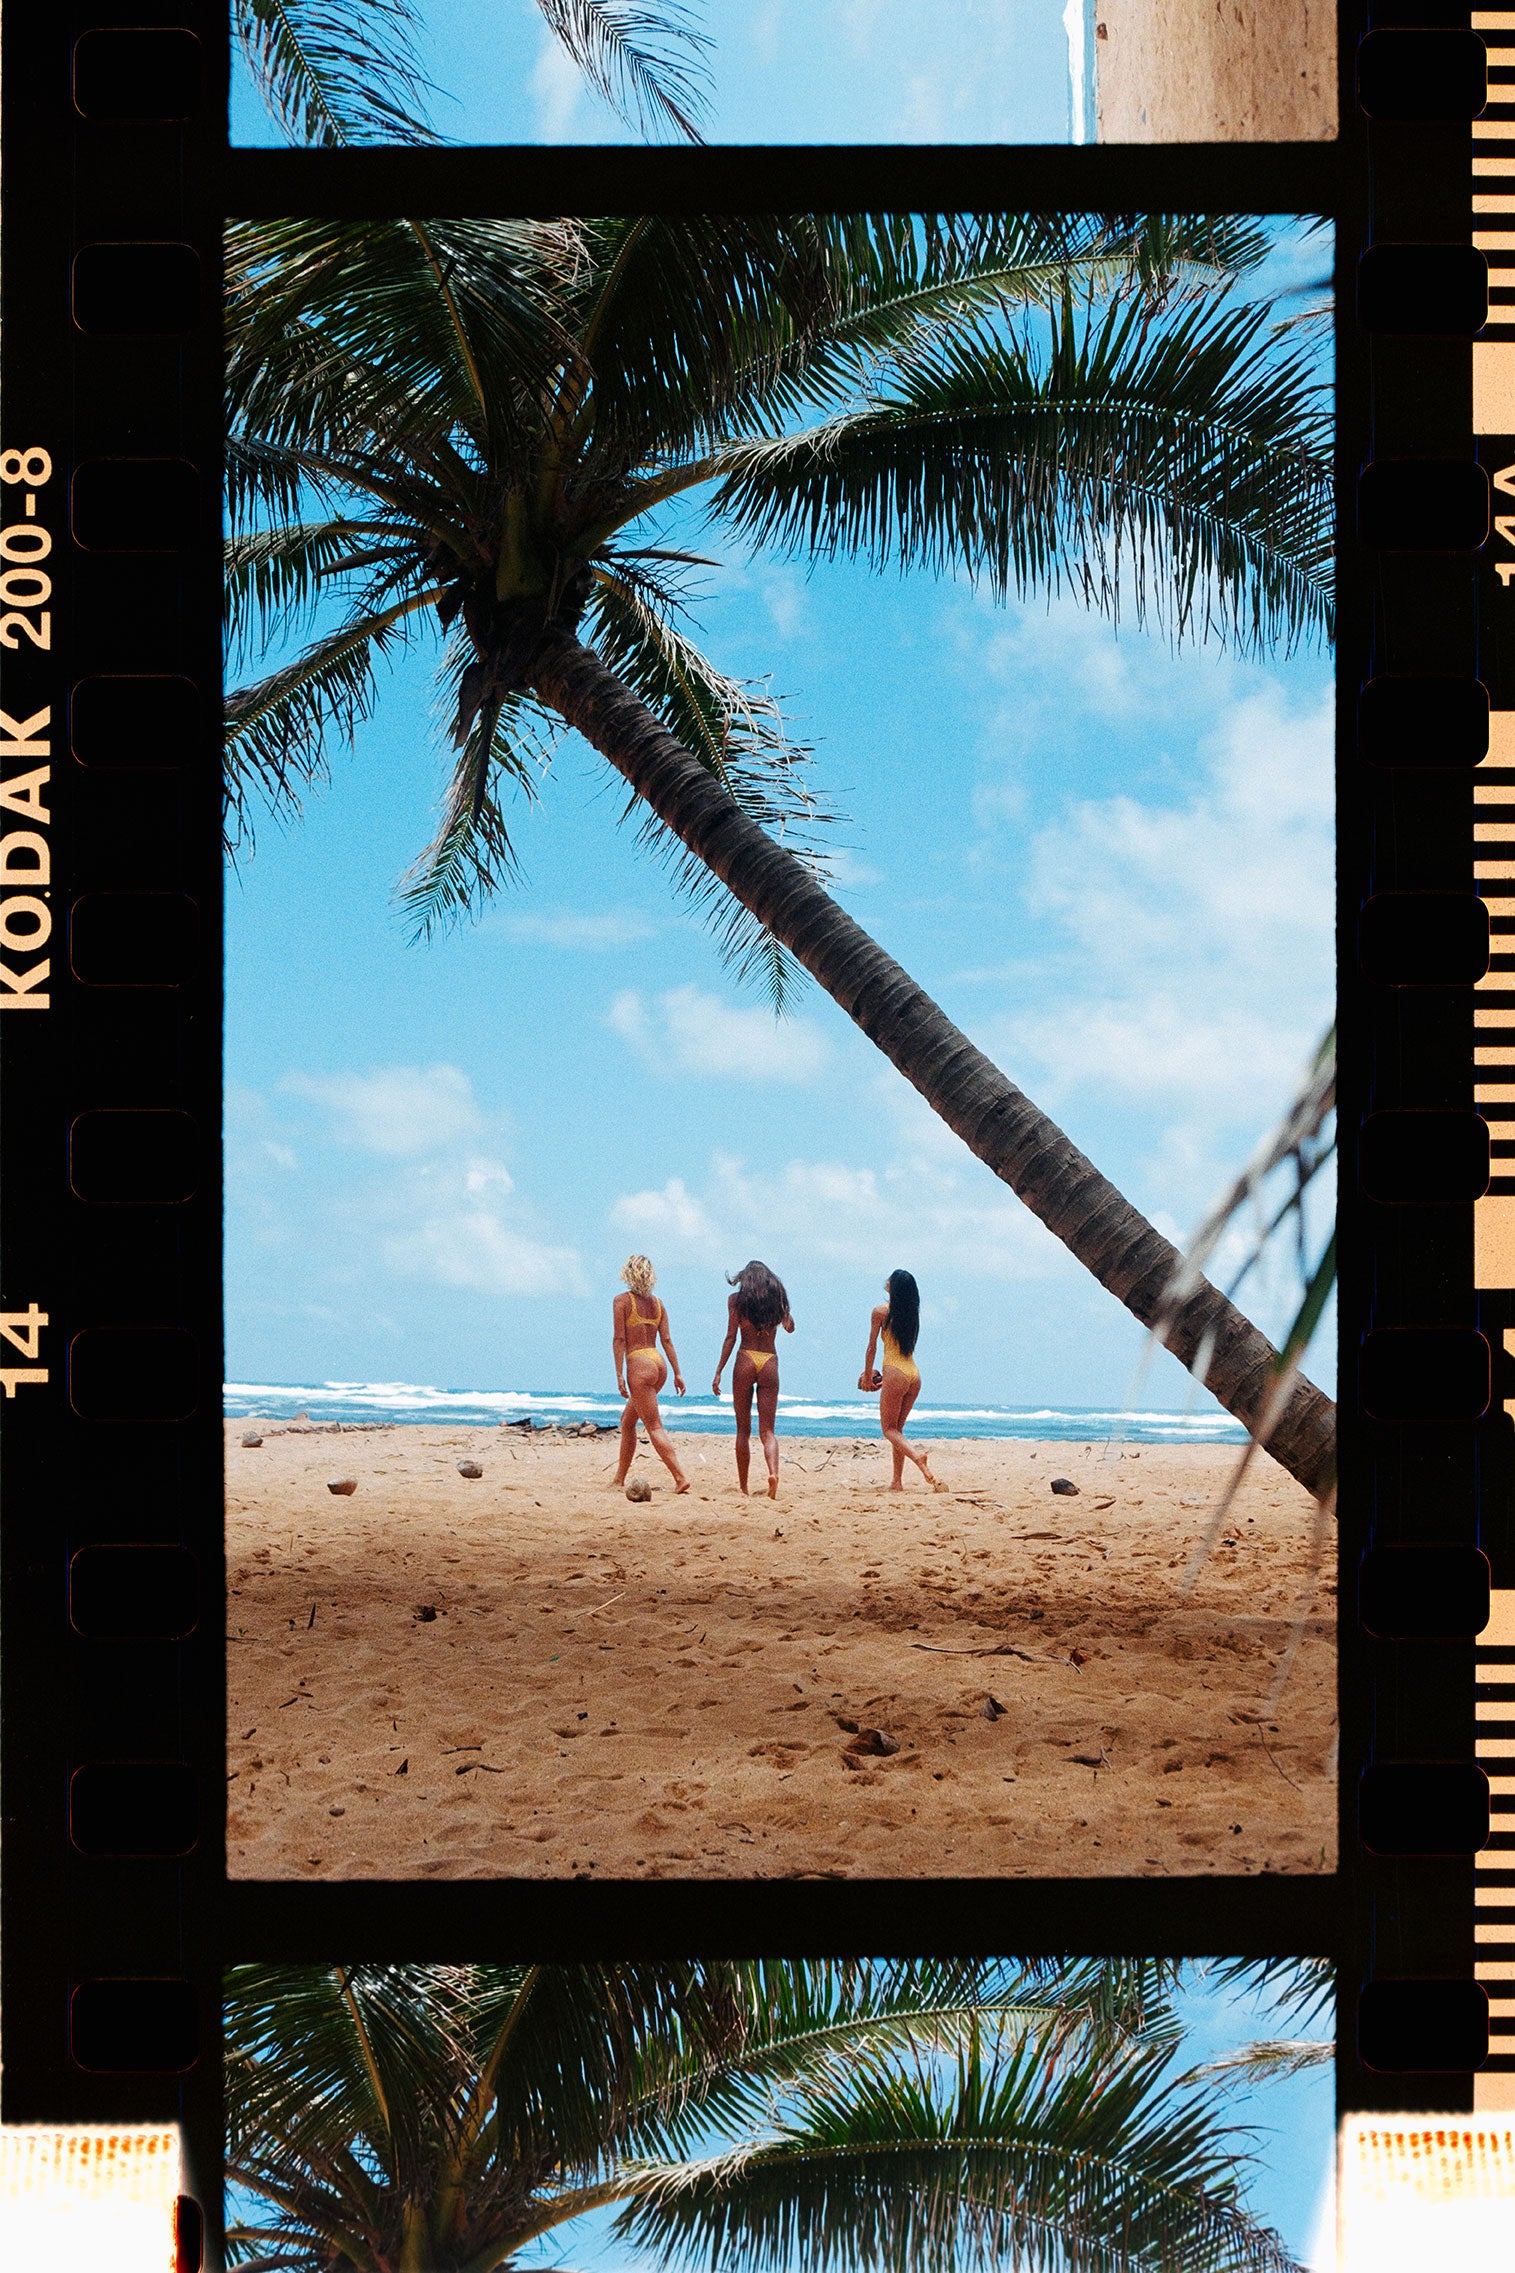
{"x":898,"y":1321}
{"x":757,"y":1309}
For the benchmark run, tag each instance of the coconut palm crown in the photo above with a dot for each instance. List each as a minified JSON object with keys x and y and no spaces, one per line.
{"x":498,"y":430}
{"x":922,"y":2117}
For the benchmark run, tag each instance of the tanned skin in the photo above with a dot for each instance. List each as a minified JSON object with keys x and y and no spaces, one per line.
{"x":745,"y":1377}
{"x":639,"y":1374}
{"x":897,"y":1393}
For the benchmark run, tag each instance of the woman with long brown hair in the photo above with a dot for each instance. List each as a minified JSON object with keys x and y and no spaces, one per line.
{"x":899,"y":1383}
{"x":756,"y":1310}
{"x":639,"y":1319}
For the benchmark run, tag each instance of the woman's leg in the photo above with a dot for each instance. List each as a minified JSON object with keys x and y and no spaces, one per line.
{"x":644,"y":1385}
{"x":768,"y":1405}
{"x":628,"y":1442}
{"x":895,"y":1400}
{"x":742,"y":1377}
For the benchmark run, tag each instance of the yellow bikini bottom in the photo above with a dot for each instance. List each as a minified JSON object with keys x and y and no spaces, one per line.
{"x":760,"y":1358}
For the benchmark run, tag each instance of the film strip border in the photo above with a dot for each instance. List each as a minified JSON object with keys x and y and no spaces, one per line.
{"x":1493,"y":1038}
{"x":111,"y":1872}
{"x":113,"y":1436}
{"x":1494,"y":1886}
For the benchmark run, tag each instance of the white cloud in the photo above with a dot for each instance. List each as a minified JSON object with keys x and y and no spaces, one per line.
{"x":764,"y":30}
{"x":469,"y":1246}
{"x":930,"y":1213}
{"x":556,"y":85}
{"x":787,"y":604}
{"x":849,"y":872}
{"x":1205,"y":926}
{"x":1240,"y":873}
{"x":687,"y":1030}
{"x":433,"y":1205}
{"x":566,"y":927}
{"x":673,"y":1214}
{"x":488,"y":1176}
{"x":396,"y":1110}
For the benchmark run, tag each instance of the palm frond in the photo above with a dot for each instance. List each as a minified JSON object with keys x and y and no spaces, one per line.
{"x":1302,"y":1988}
{"x":333,"y":74}
{"x":646,"y":60}
{"x":394,"y":334}
{"x":284,"y":571}
{"x":998,"y":2155}
{"x":471,"y":857}
{"x":278,"y":729}
{"x":804,"y":2025}
{"x":852,"y":295}
{"x":738,"y":734}
{"x":1188,"y":462}
{"x":1269,"y":2059}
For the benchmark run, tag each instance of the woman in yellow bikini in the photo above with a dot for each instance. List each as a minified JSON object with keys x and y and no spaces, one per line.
{"x":899,"y":1322}
{"x":639,"y":1371}
{"x":756,"y":1310}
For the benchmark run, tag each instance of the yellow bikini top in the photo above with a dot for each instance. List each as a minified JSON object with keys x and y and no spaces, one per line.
{"x":634,"y":1317}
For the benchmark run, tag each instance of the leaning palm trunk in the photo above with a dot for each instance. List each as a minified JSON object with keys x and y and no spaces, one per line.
{"x":995,"y":1120}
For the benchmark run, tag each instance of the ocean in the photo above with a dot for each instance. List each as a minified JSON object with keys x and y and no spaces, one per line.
{"x":404,"y":1401}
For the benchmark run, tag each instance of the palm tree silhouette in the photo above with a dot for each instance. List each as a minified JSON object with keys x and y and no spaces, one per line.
{"x":915,"y":2116}
{"x":486,"y":424}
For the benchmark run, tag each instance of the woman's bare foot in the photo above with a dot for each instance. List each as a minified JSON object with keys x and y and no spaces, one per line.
{"x":937,"y":1485}
{"x":773,"y":1487}
{"x":681,"y":1486}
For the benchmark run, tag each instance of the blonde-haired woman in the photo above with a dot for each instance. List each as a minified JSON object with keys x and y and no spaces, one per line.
{"x":640,"y":1321}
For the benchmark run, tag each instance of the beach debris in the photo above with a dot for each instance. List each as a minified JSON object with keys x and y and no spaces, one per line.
{"x":992,"y":1709}
{"x":424,"y":1613}
{"x":469,"y":1468}
{"x":849,"y":1726}
{"x":875,"y":1742}
{"x":252,"y":1441}
{"x":403,"y":1769}
{"x":989,"y":1649}
{"x":299,"y":1417}
{"x":1107,"y":1502}
{"x":1065,"y":1487}
{"x":1077,"y":1657}
{"x":1094,"y":1760}
{"x":336,"y":1811}
{"x":342,"y":1486}
{"x":639,"y":1489}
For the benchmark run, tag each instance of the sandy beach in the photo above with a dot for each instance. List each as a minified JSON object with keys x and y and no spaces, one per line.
{"x":1215,"y":70}
{"x":526,"y":1675}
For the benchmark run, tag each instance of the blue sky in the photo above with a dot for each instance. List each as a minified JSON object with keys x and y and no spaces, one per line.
{"x":792,"y":71}
{"x":1110,"y":864}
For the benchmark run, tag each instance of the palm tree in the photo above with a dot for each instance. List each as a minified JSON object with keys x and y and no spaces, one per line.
{"x":336,"y":72}
{"x":486,"y":424}
{"x":913,"y":2116}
